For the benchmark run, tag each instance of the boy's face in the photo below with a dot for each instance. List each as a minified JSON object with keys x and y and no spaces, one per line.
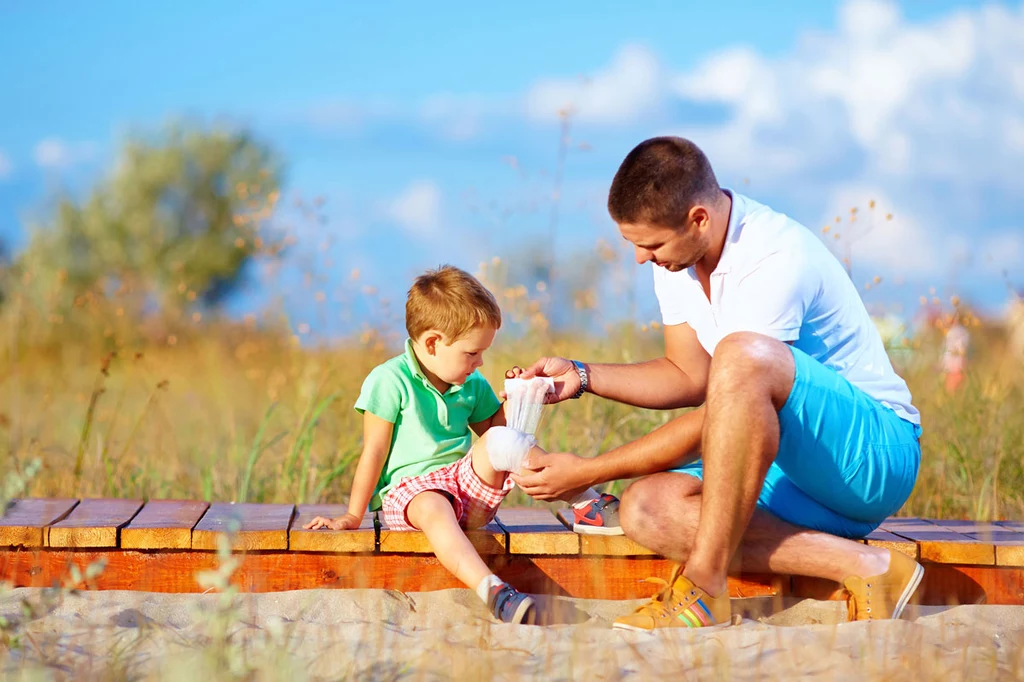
{"x":454,"y":361}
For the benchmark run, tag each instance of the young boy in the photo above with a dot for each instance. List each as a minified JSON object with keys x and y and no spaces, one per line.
{"x":417,"y":464}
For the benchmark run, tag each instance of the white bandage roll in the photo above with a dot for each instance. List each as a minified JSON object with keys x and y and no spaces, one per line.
{"x":525,"y":402}
{"x":507,"y":448}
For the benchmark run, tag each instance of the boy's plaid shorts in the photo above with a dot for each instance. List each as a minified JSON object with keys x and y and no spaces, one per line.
{"x":475,"y":502}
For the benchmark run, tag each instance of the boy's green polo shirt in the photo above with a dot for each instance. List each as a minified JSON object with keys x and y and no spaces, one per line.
{"x":431,"y":429}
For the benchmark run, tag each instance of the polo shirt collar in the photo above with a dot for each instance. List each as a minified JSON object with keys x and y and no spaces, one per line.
{"x":732,"y":233}
{"x":417,"y":371}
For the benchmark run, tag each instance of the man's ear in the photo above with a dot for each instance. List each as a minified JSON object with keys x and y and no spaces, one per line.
{"x":699,"y":217}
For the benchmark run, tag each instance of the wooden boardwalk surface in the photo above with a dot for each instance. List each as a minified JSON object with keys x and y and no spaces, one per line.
{"x":160,"y":545}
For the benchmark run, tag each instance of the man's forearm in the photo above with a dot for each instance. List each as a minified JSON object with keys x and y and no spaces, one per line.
{"x":669,"y":446}
{"x":655,"y":384}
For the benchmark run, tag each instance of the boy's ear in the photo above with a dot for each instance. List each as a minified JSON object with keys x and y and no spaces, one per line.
{"x":430,"y":341}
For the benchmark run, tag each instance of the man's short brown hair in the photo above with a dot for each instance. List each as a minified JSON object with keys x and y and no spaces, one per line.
{"x":659,"y":181}
{"x":451,"y":301}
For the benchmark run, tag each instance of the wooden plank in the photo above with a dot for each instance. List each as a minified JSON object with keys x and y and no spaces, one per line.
{"x":893,"y":542}
{"x":489,"y":540}
{"x":1012,"y":525}
{"x":903,"y":520}
{"x":953,"y":585}
{"x":947,"y":547}
{"x":163,"y":524}
{"x":943,"y":585}
{"x":537,"y":531}
{"x":362,"y":539}
{"x":24,"y":522}
{"x":249,"y":527}
{"x":962,"y":526}
{"x":604,"y":545}
{"x":895,"y":525}
{"x":1009,"y":545}
{"x":93,"y":523}
{"x":175,"y":572}
{"x":1009,"y":554}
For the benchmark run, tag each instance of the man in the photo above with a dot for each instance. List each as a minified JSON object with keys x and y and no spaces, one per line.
{"x":804,"y":435}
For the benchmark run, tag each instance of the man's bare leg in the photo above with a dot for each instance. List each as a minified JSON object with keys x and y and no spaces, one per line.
{"x":662,"y":512}
{"x":751,"y":378}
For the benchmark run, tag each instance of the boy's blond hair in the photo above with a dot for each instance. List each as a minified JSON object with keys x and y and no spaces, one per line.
{"x":451,"y":301}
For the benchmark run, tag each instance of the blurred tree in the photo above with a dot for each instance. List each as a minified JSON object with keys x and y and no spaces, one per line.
{"x":175,"y":222}
{"x":4,"y":264}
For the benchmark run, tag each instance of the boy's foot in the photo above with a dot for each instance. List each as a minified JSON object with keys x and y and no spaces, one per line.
{"x":680,"y":605}
{"x":510,"y":605}
{"x":598,"y":517}
{"x":886,"y":595}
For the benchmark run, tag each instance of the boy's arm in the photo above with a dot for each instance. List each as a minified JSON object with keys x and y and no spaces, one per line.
{"x":497,"y":419}
{"x":489,"y":409}
{"x":376,"y":445}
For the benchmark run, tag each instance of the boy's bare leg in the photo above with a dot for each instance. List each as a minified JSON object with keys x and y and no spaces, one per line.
{"x":482,"y":464}
{"x":432,"y":513}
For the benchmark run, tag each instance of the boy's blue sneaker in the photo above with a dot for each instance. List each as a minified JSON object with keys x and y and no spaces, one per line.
{"x":511,"y":606}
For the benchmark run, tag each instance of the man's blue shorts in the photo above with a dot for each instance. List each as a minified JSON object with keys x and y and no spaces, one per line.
{"x":845,"y":461}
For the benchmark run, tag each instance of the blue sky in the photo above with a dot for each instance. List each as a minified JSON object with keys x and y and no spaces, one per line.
{"x":405,"y":117}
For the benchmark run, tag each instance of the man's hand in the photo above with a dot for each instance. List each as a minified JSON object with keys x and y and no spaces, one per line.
{"x":553,"y":476}
{"x":567,"y":380}
{"x":346,"y":522}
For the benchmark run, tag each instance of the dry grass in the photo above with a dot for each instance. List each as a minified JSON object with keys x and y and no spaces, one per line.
{"x":205,"y":408}
{"x":225,"y":411}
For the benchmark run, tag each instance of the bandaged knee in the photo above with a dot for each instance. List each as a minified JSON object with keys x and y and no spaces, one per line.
{"x":507,"y":448}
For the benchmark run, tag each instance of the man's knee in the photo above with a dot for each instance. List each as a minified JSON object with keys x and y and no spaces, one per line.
{"x":748,"y":359}
{"x":643,"y":504}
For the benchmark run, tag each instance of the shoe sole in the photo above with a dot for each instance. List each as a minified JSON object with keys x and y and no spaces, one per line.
{"x":908,"y":591}
{"x":526,"y":614}
{"x":583,"y":529}
{"x":633,"y":628}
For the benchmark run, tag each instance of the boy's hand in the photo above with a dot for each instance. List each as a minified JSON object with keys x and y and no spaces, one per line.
{"x":346,"y":522}
{"x":513,"y":373}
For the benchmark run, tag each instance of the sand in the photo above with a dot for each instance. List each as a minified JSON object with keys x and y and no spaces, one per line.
{"x":379,"y":634}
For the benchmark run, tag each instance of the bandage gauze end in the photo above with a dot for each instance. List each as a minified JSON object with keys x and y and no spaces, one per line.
{"x":508,"y":446}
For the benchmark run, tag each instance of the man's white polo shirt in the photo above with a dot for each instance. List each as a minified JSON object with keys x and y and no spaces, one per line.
{"x":776,"y":278}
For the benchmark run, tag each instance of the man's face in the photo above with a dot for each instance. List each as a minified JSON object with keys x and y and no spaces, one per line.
{"x":674,"y":249}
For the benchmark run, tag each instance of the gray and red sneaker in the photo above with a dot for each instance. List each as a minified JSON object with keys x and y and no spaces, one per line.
{"x":598,"y":517}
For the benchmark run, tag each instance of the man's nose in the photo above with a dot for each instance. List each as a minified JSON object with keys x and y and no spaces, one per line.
{"x":643,"y":256}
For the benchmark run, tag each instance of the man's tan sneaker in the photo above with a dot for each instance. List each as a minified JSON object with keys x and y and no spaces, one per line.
{"x":681,"y":604}
{"x":886,"y":595}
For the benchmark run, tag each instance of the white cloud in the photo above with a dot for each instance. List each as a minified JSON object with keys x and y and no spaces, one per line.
{"x":462,"y":117}
{"x":878,"y":245}
{"x":57,"y":154}
{"x":6,"y":166}
{"x":417,"y":209}
{"x":942,"y":100}
{"x":630,"y":87}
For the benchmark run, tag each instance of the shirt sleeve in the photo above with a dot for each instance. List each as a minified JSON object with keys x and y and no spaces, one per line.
{"x":774,"y":297}
{"x":671,"y":291}
{"x":487,"y":402}
{"x":381,"y":394}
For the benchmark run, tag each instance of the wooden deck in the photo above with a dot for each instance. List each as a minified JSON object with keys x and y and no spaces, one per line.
{"x":159,"y":546}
